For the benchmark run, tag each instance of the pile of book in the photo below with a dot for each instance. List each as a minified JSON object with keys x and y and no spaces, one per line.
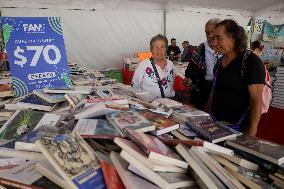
{"x":6,"y":89}
{"x":278,"y":90}
{"x":130,"y":63}
{"x":98,"y":134}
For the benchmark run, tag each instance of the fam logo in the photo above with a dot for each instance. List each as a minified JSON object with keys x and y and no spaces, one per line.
{"x":34,"y":28}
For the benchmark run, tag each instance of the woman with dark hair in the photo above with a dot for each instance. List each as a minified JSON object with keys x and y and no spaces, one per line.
{"x":256,"y":47}
{"x":155,"y":75}
{"x":239,"y":79}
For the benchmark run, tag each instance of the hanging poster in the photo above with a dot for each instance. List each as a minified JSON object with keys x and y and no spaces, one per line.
{"x":36,"y":53}
{"x":273,"y":30}
{"x":257,"y":27}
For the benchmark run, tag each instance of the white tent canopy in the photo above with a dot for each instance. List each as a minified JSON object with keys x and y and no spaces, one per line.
{"x":98,"y":33}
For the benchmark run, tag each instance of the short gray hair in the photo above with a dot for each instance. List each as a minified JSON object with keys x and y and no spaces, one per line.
{"x":213,"y":21}
{"x":156,"y":38}
{"x":185,"y":43}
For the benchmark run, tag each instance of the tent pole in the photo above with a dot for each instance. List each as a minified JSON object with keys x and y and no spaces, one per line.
{"x":251,"y":31}
{"x":1,"y":40}
{"x":165,"y":22}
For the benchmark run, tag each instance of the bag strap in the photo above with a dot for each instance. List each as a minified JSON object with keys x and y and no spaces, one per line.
{"x":201,"y":52}
{"x":247,"y":53}
{"x":213,"y":88}
{"x":158,"y":78}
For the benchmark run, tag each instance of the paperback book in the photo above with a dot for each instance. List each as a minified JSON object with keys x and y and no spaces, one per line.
{"x":209,"y":130}
{"x":130,"y":119}
{"x":32,"y":101}
{"x":51,"y":98}
{"x":130,"y":180}
{"x":74,"y":160}
{"x":266,"y":150}
{"x":95,"y":128}
{"x":162,"y":124}
{"x":155,"y":149}
{"x":154,"y":165}
{"x":24,"y":121}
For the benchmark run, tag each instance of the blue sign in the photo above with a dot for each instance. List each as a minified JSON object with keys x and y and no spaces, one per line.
{"x":36,"y":53}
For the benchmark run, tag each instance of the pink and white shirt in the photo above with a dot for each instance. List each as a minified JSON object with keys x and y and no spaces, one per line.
{"x":144,"y":79}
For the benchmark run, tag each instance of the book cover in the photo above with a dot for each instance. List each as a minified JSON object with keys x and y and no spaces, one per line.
{"x":25,"y":173}
{"x":267,"y":150}
{"x":74,"y":160}
{"x":67,"y":89}
{"x":51,"y":98}
{"x":155,"y":149}
{"x":27,"y":142}
{"x":130,"y":119}
{"x":42,"y":183}
{"x":95,"y":128}
{"x":34,"y":102}
{"x":162,"y":124}
{"x":209,"y":130}
{"x":188,"y":111}
{"x":168,"y":102}
{"x":24,"y":121}
{"x":186,"y":131}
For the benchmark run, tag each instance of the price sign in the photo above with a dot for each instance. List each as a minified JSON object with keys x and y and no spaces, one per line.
{"x":36,"y":52}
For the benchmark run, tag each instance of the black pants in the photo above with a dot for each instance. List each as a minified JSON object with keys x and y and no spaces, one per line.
{"x":199,"y":96}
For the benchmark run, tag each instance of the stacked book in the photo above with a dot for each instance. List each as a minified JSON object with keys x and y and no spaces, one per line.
{"x":152,"y":160}
{"x":98,"y":134}
{"x":278,"y":89}
{"x":130,"y":63}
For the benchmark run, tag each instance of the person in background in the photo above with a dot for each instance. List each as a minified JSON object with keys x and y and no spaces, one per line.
{"x":237,"y":91}
{"x":187,"y":51}
{"x":145,"y":77}
{"x":199,"y":73}
{"x":256,"y":47}
{"x":173,"y":51}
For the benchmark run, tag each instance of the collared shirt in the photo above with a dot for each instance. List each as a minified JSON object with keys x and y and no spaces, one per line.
{"x":210,"y":60}
{"x":144,"y":79}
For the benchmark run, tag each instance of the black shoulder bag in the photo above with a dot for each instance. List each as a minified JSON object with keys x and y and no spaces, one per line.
{"x":158,"y":78}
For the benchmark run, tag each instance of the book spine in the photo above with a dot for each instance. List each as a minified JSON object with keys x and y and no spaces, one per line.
{"x":131,"y":137}
{"x":111,"y":177}
{"x":13,"y":184}
{"x":185,"y":142}
{"x":50,"y":175}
